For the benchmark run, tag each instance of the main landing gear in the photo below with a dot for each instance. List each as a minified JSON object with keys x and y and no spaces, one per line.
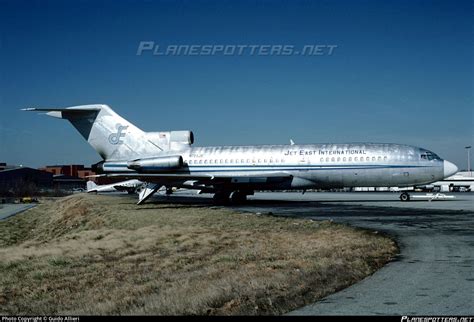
{"x":239,"y":197}
{"x":222,"y":197}
{"x":405,"y":196}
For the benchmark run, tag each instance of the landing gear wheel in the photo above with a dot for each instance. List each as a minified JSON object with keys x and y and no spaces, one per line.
{"x":239,"y":197}
{"x":221,"y":198}
{"x":405,"y":197}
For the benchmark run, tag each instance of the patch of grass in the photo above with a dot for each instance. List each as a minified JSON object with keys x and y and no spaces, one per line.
{"x":88,"y":254}
{"x":60,"y":262}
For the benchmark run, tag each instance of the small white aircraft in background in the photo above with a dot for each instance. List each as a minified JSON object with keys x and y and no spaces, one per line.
{"x":130,"y":186}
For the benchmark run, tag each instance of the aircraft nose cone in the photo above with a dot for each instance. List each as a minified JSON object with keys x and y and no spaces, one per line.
{"x":449,"y":168}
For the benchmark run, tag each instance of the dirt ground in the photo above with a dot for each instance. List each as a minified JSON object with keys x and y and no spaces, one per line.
{"x":98,"y":254}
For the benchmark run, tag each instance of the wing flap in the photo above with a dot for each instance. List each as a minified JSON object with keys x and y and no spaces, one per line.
{"x":236,"y":178}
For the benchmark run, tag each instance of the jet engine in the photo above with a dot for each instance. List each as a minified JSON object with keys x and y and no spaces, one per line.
{"x":158,"y":164}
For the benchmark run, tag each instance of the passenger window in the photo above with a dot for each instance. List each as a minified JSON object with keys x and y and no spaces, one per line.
{"x":344,"y":159}
{"x":356,"y":159}
{"x":350,"y":159}
{"x":379,"y":158}
{"x":332,"y":159}
{"x":200,"y":161}
{"x":373,"y":158}
{"x":242,"y":161}
{"x":367,"y":159}
{"x":322,"y":159}
{"x":226,"y":161}
{"x":327,"y":159}
{"x":205,"y":161}
{"x":338,"y":159}
{"x":385,"y":158}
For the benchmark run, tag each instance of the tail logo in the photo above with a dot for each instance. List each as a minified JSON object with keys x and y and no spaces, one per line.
{"x":116,"y":138}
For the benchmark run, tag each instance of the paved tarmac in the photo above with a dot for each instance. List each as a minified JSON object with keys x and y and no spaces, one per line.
{"x":9,"y":209}
{"x":434,"y":274}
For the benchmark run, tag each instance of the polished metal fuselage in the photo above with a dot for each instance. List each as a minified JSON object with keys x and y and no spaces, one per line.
{"x":130,"y":152}
{"x":318,"y":165}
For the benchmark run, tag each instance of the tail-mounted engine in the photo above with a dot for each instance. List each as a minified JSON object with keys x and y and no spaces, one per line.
{"x":146,"y":165}
{"x":150,"y":165}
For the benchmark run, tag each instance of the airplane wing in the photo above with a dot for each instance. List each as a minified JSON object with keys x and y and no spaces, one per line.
{"x":207,"y":180}
{"x":237,"y":177}
{"x":204,"y":182}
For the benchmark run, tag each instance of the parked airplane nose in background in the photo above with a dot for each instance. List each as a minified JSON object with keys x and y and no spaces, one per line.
{"x":449,"y":168}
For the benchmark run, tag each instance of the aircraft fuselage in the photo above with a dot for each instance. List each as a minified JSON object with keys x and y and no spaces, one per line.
{"x":311,"y":166}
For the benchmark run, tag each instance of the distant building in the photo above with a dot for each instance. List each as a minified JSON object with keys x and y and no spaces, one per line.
{"x":64,"y":182}
{"x":68,"y":170}
{"x":5,"y":166}
{"x":70,"y":176}
{"x":85,"y":173}
{"x":21,"y":177}
{"x":60,"y":177}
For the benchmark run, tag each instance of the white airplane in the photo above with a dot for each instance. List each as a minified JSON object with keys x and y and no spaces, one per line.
{"x":462,"y":181}
{"x":130,"y":186}
{"x":168,"y":159}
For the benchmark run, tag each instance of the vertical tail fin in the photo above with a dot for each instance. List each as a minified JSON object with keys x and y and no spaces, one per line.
{"x":113,"y":137}
{"x":90,"y":185}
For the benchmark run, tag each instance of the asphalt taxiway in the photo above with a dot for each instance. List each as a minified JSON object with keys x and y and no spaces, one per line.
{"x":434,"y":273}
{"x":7,"y":210}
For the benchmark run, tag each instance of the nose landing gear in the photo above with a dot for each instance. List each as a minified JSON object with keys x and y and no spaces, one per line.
{"x":405,"y":196}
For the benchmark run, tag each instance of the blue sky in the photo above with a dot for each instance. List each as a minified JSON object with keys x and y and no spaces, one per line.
{"x":402,"y":72}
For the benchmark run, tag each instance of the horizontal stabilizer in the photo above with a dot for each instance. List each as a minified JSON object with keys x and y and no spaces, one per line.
{"x":68,"y":112}
{"x":83,"y":108}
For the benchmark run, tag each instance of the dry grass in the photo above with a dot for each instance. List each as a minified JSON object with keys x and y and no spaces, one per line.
{"x":88,"y":254}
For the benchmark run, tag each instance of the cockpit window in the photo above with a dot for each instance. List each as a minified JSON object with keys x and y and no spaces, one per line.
{"x":429,"y":156}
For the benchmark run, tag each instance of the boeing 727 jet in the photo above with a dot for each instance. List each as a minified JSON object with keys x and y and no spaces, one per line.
{"x":169,"y":159}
